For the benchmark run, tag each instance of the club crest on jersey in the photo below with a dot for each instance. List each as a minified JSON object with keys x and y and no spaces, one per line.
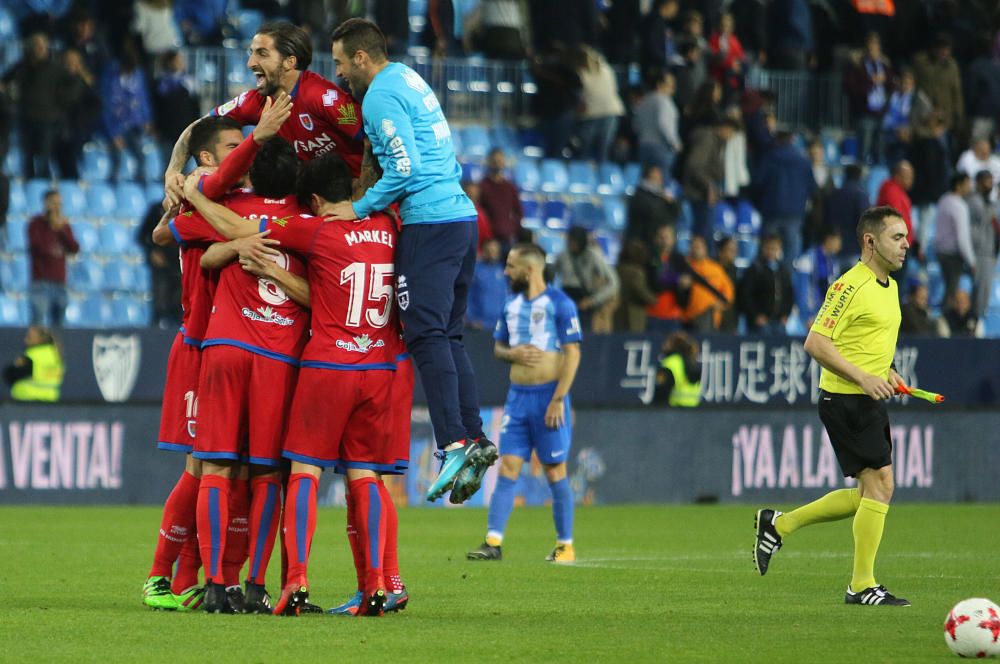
{"x":330,"y":97}
{"x":402,"y":292}
{"x":537,"y":316}
{"x":306,"y":121}
{"x":347,"y":115}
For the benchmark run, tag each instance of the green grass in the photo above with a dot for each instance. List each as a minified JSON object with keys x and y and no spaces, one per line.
{"x":653,"y":584}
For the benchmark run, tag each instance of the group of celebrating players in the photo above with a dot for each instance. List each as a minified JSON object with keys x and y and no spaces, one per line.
{"x":292,"y":356}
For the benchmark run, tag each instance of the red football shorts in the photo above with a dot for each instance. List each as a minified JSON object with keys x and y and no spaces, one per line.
{"x":341,"y":419}
{"x":402,"y":407}
{"x":243,"y":406}
{"x":180,"y":392}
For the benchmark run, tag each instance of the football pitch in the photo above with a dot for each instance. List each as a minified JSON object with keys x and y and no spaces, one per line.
{"x":653,"y":583}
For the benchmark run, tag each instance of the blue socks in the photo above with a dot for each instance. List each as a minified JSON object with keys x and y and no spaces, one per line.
{"x":501,"y":505}
{"x":562,"y":510}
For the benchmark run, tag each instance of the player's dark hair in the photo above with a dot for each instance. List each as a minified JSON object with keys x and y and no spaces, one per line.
{"x":358,"y":34}
{"x":205,"y":134}
{"x":290,"y":40}
{"x":873,"y":221}
{"x":529,"y":250}
{"x":328,"y":177}
{"x":273,"y":171}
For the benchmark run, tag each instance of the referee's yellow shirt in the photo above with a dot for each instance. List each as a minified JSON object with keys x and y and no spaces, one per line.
{"x":862,"y":317}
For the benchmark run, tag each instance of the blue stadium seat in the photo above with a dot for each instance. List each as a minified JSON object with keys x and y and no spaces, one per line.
{"x":14,"y":311}
{"x":475,"y":142}
{"x":531,"y":214}
{"x":8,"y":28}
{"x":96,"y":164}
{"x":531,"y":142}
{"x":683,"y":241}
{"x":582,"y":178}
{"x":129,"y":312}
{"x":552,"y":243}
{"x":747,"y":218}
{"x":18,"y":201}
{"x":849,"y":147}
{"x":526,"y":174}
{"x":586,"y":214}
{"x":472,"y":172}
{"x":610,"y":180}
{"x":935,"y":285}
{"x":991,"y":323}
{"x":633,"y":175}
{"x":128,"y":166}
{"x":118,"y":276}
{"x":12,"y":163}
{"x":153,"y":165}
{"x":90,"y":310}
{"x":131,"y":201}
{"x":34,"y":191}
{"x":831,"y":150}
{"x":686,"y":219}
{"x":87,"y":236}
{"x":610,"y":244}
{"x":556,"y":215}
{"x":614,"y":213}
{"x":114,"y":238}
{"x":14,"y":274}
{"x":746,"y":249}
{"x":101,"y":199}
{"x":724,"y":218}
{"x":504,"y":136}
{"x":74,"y":201}
{"x":247,"y":22}
{"x":17,"y":234}
{"x":876,"y":176}
{"x":83,"y":274}
{"x":555,"y":179}
{"x":142,"y":280}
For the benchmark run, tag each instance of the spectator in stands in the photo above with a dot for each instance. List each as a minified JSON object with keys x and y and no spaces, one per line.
{"x":697,"y":95}
{"x":82,"y":106}
{"x":982,"y":91}
{"x":728,"y":249}
{"x":790,"y":32}
{"x":961,"y":321}
{"x":501,"y":29}
{"x":655,"y":120}
{"x":931,"y":171}
{"x":483,"y":224}
{"x":906,"y":112}
{"x":670,"y":280}
{"x":814,"y":221}
{"x":678,"y":376}
{"x":704,"y":168}
{"x":156,"y":26}
{"x":201,"y":21}
{"x":589,"y":281}
{"x":559,"y":89}
{"x":938,"y":76}
{"x":894,"y":193}
{"x":867,"y":84}
{"x":175,"y":102}
{"x":658,"y":50}
{"x":488,"y":290}
{"x":601,"y":106}
{"x":917,"y":320}
{"x":50,"y":239}
{"x":649,"y":208}
{"x":37,"y":375}
{"x":783,"y":184}
{"x":979,"y":158}
{"x":127,"y":114}
{"x":765,"y":294}
{"x":735,"y":172}
{"x":728,"y":61}
{"x":87,"y":37}
{"x":499,"y":199}
{"x":635,"y":292}
{"x":953,"y":237}
{"x":693,"y":28}
{"x":38,"y":81}
{"x":711,"y":291}
{"x":843,"y":208}
{"x":164,"y":270}
{"x":983,"y":231}
{"x":822,"y":264}
{"x":760,"y":123}
{"x":6,"y":125}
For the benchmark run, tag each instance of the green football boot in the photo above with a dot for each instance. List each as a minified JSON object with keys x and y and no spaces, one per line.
{"x":156,"y":594}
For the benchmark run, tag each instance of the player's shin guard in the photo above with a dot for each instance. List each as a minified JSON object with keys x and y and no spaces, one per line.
{"x":371,"y":529}
{"x":390,"y":565}
{"x":213,"y":524}
{"x":562,"y":510}
{"x":177,"y":525}
{"x":357,"y":552}
{"x":265,"y":512}
{"x":300,"y":524}
{"x":188,"y":564}
{"x":238,"y":537}
{"x":501,"y":505}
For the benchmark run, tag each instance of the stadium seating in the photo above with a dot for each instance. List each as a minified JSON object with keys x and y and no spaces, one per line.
{"x":876,"y":176}
{"x":475,"y":142}
{"x":472,"y":172}
{"x":18,"y":201}
{"x":87,"y":310}
{"x":582,"y":178}
{"x":17,"y":234}
{"x":131,"y":200}
{"x":84,"y":274}
{"x":115,"y":238}
{"x":101,"y":198}
{"x":724,"y":218}
{"x":554,"y":176}
{"x":615,"y":216}
{"x":86,"y":235}
{"x":610,"y":180}
{"x":526,"y":174}
{"x":96,"y":163}
{"x":15,"y":274}
{"x":128,"y":311}
{"x":556,"y":215}
{"x":531,"y":214}
{"x":34,"y":192}
{"x":15,"y":311}
{"x":633,"y":175}
{"x":74,"y":201}
{"x":247,"y":22}
{"x":587,"y":215}
{"x":553,"y":243}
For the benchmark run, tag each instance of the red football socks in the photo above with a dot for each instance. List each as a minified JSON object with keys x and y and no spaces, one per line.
{"x":265,"y":512}
{"x":352,"y":538}
{"x":300,"y":524}
{"x":390,"y":567}
{"x":213,"y":524}
{"x":370,"y":524}
{"x":188,"y":564}
{"x":177,"y":525}
{"x":238,"y":537}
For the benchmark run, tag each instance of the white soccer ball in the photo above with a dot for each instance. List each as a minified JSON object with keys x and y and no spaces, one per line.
{"x":972,"y":628}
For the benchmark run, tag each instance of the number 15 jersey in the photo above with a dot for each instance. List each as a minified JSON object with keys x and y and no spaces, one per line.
{"x":354,"y":321}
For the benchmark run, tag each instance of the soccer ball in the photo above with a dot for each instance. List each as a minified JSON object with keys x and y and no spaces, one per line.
{"x":972,"y":628}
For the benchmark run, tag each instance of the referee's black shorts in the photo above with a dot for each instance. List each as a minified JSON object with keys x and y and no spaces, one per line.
{"x":858,"y":427}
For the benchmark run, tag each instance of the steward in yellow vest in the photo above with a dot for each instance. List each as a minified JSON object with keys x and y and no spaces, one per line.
{"x":678,"y":378}
{"x":38,"y":374}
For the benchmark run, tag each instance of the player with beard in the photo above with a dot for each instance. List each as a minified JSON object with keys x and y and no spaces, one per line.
{"x":539,"y":335}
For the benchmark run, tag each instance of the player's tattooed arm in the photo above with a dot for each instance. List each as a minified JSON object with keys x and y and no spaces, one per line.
{"x":173,"y":177}
{"x":229,"y":224}
{"x":295,"y":287}
{"x":258,"y":246}
{"x":161,"y":232}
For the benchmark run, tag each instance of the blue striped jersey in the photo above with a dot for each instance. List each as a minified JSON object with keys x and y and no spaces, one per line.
{"x":546,"y":322}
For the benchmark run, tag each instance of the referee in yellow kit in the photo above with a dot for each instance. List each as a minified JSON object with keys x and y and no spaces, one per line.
{"x":854,"y":339}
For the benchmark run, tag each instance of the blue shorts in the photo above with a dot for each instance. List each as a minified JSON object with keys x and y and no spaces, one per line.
{"x":523,"y":428}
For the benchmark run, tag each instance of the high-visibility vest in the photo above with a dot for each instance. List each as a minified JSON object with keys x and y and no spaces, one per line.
{"x":685,"y":393}
{"x":46,"y":375}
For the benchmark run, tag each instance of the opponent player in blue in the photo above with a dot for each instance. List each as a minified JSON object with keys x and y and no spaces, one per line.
{"x":539,"y":335}
{"x":437,"y":246}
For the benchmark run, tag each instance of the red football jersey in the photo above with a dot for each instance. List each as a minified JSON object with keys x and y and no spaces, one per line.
{"x":351,"y":280}
{"x":254,"y":313}
{"x":194,"y":235}
{"x":324,"y":117}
